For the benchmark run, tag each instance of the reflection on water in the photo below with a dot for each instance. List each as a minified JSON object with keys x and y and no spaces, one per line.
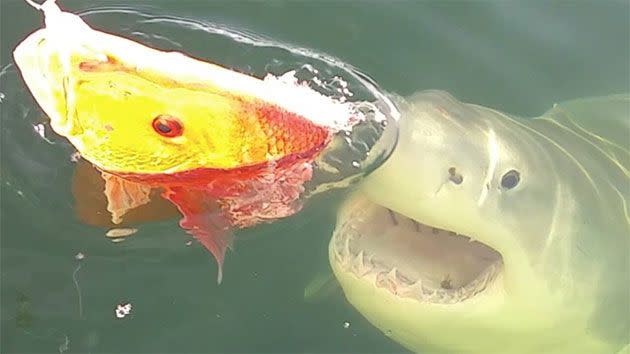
{"x":516,"y":58}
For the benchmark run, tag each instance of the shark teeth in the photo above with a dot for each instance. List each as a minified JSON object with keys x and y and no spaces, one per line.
{"x":361,"y":266}
{"x":346,"y":247}
{"x":392,"y":217}
{"x":425,"y":294}
{"x":411,"y":290}
{"x":416,"y":225}
{"x":398,"y":285}
{"x":348,"y":254}
{"x":388,"y":280}
{"x":391,"y":279}
{"x":391,"y":276}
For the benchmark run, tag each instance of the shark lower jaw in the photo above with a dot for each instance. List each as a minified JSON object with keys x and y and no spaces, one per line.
{"x":411,"y":259}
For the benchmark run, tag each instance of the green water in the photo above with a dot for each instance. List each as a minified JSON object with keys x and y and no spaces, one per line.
{"x":519,"y":57}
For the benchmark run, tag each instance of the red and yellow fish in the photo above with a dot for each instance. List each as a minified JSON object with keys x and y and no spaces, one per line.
{"x":225,"y":148}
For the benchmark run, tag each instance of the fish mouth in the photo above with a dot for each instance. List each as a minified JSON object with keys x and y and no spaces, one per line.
{"x":411,"y":259}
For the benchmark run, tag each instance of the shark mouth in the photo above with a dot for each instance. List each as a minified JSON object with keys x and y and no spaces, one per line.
{"x":411,"y":259}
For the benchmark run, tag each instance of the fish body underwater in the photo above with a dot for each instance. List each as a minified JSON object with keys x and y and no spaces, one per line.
{"x":227,"y":149}
{"x":487,"y":233}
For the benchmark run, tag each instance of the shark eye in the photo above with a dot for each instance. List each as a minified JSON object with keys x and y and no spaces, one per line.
{"x":167,"y":126}
{"x":510,"y":179}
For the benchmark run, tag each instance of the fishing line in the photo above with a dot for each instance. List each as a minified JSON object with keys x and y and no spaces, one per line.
{"x":76,"y":286}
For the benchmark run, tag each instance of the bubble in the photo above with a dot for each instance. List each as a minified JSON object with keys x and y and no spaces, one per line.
{"x":120,"y":232}
{"x":123,"y":310}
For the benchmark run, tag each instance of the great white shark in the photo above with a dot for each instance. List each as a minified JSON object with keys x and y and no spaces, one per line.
{"x":489,"y":233}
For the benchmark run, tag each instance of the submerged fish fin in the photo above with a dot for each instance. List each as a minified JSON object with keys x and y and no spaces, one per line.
{"x":123,"y":195}
{"x":322,"y":287}
{"x":90,"y":201}
{"x":203,"y":218}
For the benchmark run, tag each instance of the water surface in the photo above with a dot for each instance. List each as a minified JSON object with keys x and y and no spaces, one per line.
{"x":519,"y":57}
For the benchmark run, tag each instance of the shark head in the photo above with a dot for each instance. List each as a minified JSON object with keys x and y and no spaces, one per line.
{"x":473,"y":236}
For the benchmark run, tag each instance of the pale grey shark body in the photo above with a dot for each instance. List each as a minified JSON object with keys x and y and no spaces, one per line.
{"x":545,"y":199}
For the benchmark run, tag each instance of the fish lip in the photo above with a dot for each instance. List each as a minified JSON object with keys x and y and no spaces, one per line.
{"x":375,"y":269}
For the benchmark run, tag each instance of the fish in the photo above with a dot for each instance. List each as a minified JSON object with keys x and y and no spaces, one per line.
{"x":225,"y":148}
{"x":490,"y":233}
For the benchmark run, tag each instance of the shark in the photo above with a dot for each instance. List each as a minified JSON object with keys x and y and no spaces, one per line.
{"x":490,"y":233}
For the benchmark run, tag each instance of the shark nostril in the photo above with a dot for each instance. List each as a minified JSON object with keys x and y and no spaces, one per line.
{"x":455,"y":176}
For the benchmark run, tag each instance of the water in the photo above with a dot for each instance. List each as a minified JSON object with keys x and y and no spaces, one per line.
{"x":514,"y":56}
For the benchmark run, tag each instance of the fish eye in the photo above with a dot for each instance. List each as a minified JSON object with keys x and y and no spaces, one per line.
{"x":510,"y":179}
{"x":167,"y":126}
